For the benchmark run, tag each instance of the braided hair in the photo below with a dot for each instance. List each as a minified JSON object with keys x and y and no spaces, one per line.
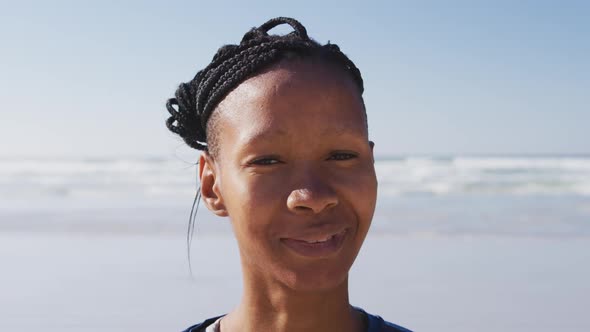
{"x":233,"y":64}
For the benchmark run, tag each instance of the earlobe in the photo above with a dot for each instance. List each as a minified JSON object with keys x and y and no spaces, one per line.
{"x":210,"y":192}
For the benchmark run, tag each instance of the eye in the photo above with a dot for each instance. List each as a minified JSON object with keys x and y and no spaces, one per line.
{"x":342,"y":156}
{"x":266,"y":161}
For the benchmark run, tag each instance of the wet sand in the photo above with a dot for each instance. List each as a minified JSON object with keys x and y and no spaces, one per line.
{"x":64,"y":281}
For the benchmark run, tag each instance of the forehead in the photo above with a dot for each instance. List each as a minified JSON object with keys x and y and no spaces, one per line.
{"x":291,"y":99}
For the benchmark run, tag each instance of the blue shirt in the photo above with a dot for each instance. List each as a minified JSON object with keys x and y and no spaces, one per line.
{"x":374,"y":324}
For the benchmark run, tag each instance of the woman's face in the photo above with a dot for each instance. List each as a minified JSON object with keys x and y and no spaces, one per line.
{"x":294,"y":172}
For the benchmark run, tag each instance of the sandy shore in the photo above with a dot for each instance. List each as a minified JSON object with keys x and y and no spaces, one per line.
{"x":77,"y":282}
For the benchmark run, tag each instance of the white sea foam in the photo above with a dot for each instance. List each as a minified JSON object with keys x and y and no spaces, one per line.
{"x":27,"y":178}
{"x":485,"y":175}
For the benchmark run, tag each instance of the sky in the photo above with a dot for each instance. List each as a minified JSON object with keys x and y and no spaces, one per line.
{"x":90,"y":78}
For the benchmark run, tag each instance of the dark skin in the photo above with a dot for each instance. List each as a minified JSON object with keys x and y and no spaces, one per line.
{"x":294,"y":165}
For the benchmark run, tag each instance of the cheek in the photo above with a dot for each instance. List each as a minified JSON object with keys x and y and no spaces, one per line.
{"x":249,"y":196}
{"x":359,"y":187}
{"x":252,"y":202}
{"x":255,"y":205}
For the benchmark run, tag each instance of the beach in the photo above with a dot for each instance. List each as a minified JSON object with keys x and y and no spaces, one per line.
{"x":101,"y":246}
{"x":65,"y":282}
{"x":476,"y":116}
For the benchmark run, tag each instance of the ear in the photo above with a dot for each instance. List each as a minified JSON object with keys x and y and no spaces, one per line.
{"x":372,"y":145}
{"x":210,"y":184}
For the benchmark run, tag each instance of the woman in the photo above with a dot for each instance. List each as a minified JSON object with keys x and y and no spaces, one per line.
{"x":282,"y":125}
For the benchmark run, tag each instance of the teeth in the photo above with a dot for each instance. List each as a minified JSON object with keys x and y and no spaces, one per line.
{"x":324,"y":240}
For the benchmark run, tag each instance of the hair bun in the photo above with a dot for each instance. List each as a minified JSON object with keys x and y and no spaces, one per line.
{"x":261,"y":32}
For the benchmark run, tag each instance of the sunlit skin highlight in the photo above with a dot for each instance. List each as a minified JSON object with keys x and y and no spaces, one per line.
{"x":294,"y":165}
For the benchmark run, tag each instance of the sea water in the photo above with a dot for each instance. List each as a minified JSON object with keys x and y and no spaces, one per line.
{"x":525,"y":196}
{"x":457,"y":244}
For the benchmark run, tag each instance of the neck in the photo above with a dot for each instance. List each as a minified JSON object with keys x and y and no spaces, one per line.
{"x":276,"y":308}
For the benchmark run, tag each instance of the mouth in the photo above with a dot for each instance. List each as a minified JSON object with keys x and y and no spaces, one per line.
{"x":316,"y":247}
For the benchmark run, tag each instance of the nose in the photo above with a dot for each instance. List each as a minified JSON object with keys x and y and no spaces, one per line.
{"x":313,"y":195}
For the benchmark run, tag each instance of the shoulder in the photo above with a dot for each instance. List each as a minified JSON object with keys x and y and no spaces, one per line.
{"x":203,"y":325}
{"x":377,"y":324}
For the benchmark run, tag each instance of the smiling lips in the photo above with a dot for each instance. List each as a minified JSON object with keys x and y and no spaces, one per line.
{"x":316,"y":247}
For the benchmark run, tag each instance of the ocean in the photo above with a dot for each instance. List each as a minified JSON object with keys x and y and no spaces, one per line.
{"x":520,"y":196}
{"x":458,"y":243}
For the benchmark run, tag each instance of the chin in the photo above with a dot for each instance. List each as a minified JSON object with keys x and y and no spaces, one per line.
{"x":317,"y":277}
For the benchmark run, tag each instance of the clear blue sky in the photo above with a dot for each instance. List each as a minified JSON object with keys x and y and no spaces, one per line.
{"x":83,"y":78}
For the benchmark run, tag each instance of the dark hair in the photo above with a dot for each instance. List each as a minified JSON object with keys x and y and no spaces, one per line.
{"x":231,"y":65}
